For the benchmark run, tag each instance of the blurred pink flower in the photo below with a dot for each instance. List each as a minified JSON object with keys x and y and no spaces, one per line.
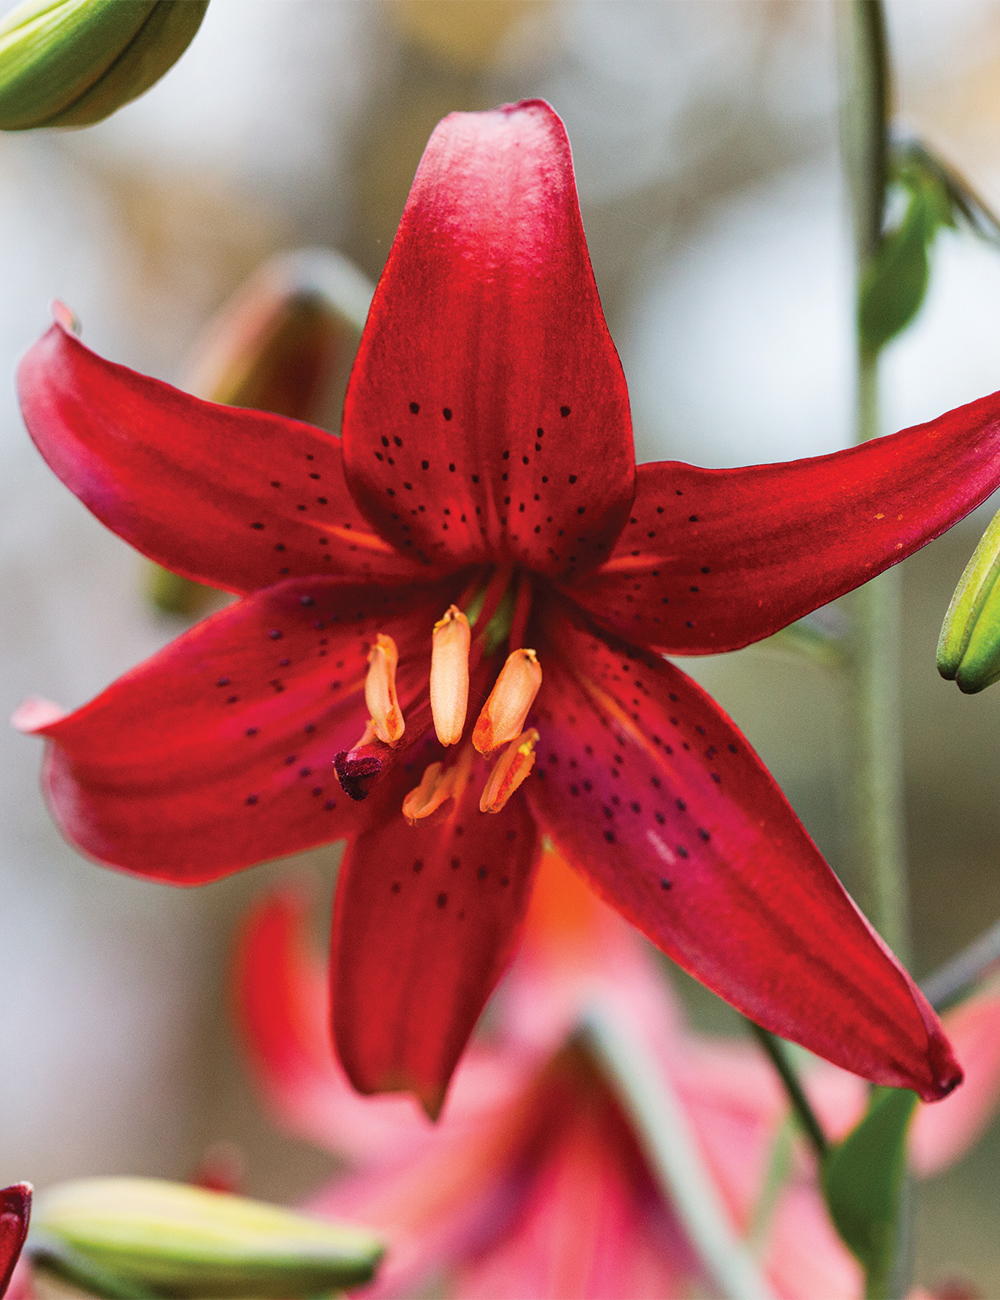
{"x":535,"y":1182}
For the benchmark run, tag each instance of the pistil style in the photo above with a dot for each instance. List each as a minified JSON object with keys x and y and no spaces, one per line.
{"x":449,"y":687}
{"x":380,"y":691}
{"x":511,"y":770}
{"x":512,"y":696}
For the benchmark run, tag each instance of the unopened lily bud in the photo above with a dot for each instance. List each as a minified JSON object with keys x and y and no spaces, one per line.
{"x":162,"y":1238}
{"x":15,"y":1210}
{"x":284,"y":342}
{"x":969,"y":646}
{"x":512,"y":696}
{"x":512,"y":768}
{"x":450,"y":675}
{"x":74,"y":62}
{"x":380,"y":691}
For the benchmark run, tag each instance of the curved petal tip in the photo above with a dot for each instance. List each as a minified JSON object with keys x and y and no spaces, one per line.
{"x":35,"y":714}
{"x":66,"y":317}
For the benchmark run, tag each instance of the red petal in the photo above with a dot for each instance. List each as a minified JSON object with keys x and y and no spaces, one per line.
{"x":486,"y":387}
{"x":235,"y":498}
{"x":650,"y":789}
{"x":714,"y":559}
{"x":15,"y":1210}
{"x":426,"y":919}
{"x":218,"y":751}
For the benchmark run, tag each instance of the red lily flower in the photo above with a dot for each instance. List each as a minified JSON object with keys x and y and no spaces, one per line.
{"x":15,"y":1210}
{"x":486,"y":463}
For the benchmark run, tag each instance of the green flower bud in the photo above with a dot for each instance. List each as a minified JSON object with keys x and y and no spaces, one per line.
{"x":969,"y":646}
{"x":144,"y":1236}
{"x":73,"y":62}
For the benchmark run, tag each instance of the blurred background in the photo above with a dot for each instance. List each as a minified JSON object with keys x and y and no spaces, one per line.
{"x":704,"y":133}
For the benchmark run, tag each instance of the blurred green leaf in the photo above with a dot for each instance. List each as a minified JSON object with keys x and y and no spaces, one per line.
{"x":863,"y":1181}
{"x":893,"y":286}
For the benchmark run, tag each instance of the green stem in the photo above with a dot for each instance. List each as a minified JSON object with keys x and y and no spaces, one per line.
{"x":878,"y":848}
{"x":778,"y":1053}
{"x":878,"y":856}
{"x":671,"y":1149}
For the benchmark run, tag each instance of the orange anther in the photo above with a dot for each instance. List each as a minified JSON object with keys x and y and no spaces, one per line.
{"x":511,"y":769}
{"x":380,"y":690}
{"x":434,"y":788}
{"x":512,"y":696}
{"x":450,"y":675}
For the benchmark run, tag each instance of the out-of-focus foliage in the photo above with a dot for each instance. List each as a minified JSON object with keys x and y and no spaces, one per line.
{"x":934,"y":196}
{"x":462,"y":34}
{"x":74,"y":62}
{"x":862,"y":1179}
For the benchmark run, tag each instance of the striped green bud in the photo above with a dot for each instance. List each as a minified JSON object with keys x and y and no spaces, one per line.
{"x":73,"y":62}
{"x":969,"y":646}
{"x":146,"y":1237}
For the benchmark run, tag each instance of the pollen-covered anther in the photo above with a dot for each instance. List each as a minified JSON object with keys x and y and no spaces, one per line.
{"x":512,"y":696}
{"x":380,"y":691}
{"x":512,"y":768}
{"x":450,"y":675}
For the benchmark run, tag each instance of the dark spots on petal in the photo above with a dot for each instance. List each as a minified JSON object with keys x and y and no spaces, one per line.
{"x":418,"y":866}
{"x":425,"y":464}
{"x":251,"y":799}
{"x":732,"y":749}
{"x":275,"y":634}
{"x":451,"y":467}
{"x":317,"y":791}
{"x":704,"y":834}
{"x":223,"y":681}
{"x":398,"y":441}
{"x":681,"y":806}
{"x":307,"y":600}
{"x":251,"y":731}
{"x":580,"y":510}
{"x":665,"y":883}
{"x":447,"y":412}
{"x":564,"y":411}
{"x":233,"y":699}
{"x":456,"y":863}
{"x":258,"y":527}
{"x":314,"y":475}
{"x":330,"y":805}
{"x":396,"y":886}
{"x":504,"y":881}
{"x":414,"y":408}
{"x":442,"y":900}
{"x":482,"y":873}
{"x":475,"y":479}
{"x":636,"y":807}
{"x":275,"y":483}
{"x":716,"y":778}
{"x":524,"y":460}
{"x":279,"y":546}
{"x":572,"y":478}
{"x":609,"y":836}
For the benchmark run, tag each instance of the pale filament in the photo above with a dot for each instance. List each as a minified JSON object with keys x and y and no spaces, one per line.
{"x":512,"y":768}
{"x":449,"y":688}
{"x":380,"y":691}
{"x":512,"y":696}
